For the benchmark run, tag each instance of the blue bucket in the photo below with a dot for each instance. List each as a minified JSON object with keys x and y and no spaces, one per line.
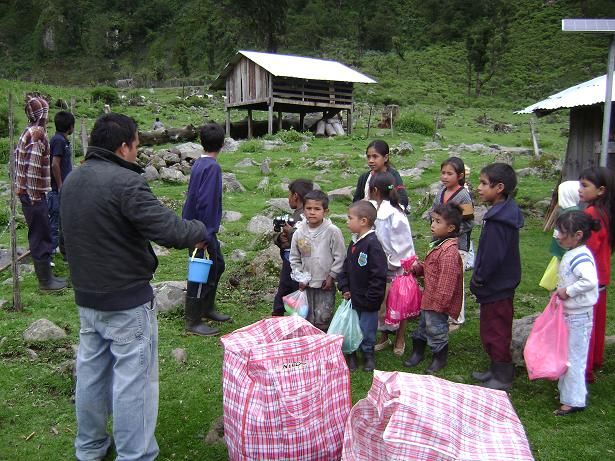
{"x":198,"y":269}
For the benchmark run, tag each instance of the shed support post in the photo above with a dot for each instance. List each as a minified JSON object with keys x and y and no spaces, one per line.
{"x":228,"y":123}
{"x":301,"y":120}
{"x":279,"y":121}
{"x":270,"y":119}
{"x":249,"y":123}
{"x":349,"y":121}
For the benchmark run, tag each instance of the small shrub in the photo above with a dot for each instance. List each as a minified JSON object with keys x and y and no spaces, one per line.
{"x":5,"y":155}
{"x":289,"y":136}
{"x":253,"y":145}
{"x":105,"y":94}
{"x":412,"y":122}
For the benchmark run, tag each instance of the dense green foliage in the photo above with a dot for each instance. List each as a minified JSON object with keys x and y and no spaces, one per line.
{"x":447,"y":49}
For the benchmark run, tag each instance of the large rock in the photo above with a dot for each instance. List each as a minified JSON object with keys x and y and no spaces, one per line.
{"x":263,"y":184}
{"x":265,"y":167}
{"x":171,"y":158}
{"x":267,"y":260}
{"x":344,"y":193}
{"x":43,"y":330}
{"x":151,"y":173}
{"x":280,"y":204}
{"x":412,"y":173}
{"x":404,"y":148}
{"x":245,"y":163}
{"x":170,"y":295}
{"x":272,"y":144}
{"x":231,"y":216}
{"x":157,"y":162}
{"x":520,"y":331}
{"x":230,"y":145}
{"x":173,"y":175}
{"x":238,"y":255}
{"x":260,"y":224}
{"x":230,"y":183}
{"x":189,"y":150}
{"x":424,"y":163}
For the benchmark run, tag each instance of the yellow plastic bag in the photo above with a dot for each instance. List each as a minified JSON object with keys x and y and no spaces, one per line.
{"x":549,"y":278}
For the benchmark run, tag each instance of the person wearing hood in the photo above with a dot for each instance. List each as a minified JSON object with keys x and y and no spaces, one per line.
{"x":497,"y":272}
{"x":32,"y":182}
{"x":317,"y":249}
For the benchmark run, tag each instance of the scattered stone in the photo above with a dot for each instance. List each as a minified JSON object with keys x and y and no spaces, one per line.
{"x":180,"y":355}
{"x":272,"y":144}
{"x":171,"y":158}
{"x":322,"y":164}
{"x":5,"y":255}
{"x":184,"y":167}
{"x":189,"y":151}
{"x":424,"y":163}
{"x":432,"y":145}
{"x":303,"y":148}
{"x":412,"y":173}
{"x":216,"y":432}
{"x":525,"y":172}
{"x":404,"y":148}
{"x":68,"y":367}
{"x":43,"y":330}
{"x":260,"y":224}
{"x":267,"y":260}
{"x":231,"y":216}
{"x":504,"y":157}
{"x":265,"y":168}
{"x":151,"y":173}
{"x":31,"y":353}
{"x":263,"y":183}
{"x":172,"y":175}
{"x":344,"y":193}
{"x":503,"y":127}
{"x":230,"y":183}
{"x":238,"y":255}
{"x":160,"y":251}
{"x":26,"y":268}
{"x":246,"y":162}
{"x":169,"y":295}
{"x":520,"y":331}
{"x":157,"y":162}
{"x":230,"y":145}
{"x":280,"y":204}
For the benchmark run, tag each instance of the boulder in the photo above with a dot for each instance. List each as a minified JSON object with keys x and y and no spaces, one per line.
{"x":404,"y":148}
{"x":525,"y":172}
{"x":265,"y":167}
{"x":344,"y":193}
{"x":280,"y":204}
{"x":412,"y":173}
{"x":424,"y":163}
{"x":520,"y":331}
{"x":184,"y":167}
{"x":230,"y":183}
{"x":180,"y":355}
{"x":303,"y":148}
{"x":151,"y":173}
{"x":157,"y":162}
{"x":230,"y":145}
{"x":43,"y":330}
{"x":172,"y":175}
{"x":188,"y":151}
{"x":238,"y":255}
{"x":246,"y":162}
{"x":171,"y":158}
{"x":432,"y":145}
{"x":170,"y":295}
{"x":260,"y":224}
{"x":263,"y":183}
{"x":231,"y":216}
{"x":267,"y":260}
{"x":273,"y":144}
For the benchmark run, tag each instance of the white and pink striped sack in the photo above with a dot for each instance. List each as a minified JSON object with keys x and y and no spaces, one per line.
{"x":286,"y":391}
{"x":408,"y":416}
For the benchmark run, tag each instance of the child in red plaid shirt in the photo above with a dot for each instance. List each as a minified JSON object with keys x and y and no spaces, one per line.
{"x":443,"y":294}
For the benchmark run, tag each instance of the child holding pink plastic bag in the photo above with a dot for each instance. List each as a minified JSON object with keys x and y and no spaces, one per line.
{"x":578,"y":289}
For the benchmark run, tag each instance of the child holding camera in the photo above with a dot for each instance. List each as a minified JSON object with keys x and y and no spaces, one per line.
{"x":296,"y":193}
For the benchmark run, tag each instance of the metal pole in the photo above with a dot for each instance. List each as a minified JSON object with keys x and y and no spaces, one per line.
{"x":13,"y":174}
{"x":606,"y":121}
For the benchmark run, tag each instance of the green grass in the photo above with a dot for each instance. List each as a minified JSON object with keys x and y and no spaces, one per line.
{"x":37,"y":414}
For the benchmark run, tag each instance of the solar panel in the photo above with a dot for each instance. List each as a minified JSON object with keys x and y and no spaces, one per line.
{"x":588,"y":25}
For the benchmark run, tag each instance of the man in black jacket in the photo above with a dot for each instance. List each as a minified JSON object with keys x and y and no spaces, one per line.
{"x":109,"y":215}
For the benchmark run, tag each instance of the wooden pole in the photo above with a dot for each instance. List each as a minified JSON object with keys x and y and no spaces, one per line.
{"x":270,"y":118}
{"x":249,"y":123}
{"x":534,"y":140}
{"x":369,"y":121}
{"x":14,"y":266}
{"x":84,"y":137}
{"x":228,"y":122}
{"x":391,"y":121}
{"x":279,"y":121}
{"x":301,"y":121}
{"x":349,"y":121}
{"x":606,"y":118}
{"x":73,"y":102}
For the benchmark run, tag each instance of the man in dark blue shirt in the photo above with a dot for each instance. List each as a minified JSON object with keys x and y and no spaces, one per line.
{"x":61,"y":166}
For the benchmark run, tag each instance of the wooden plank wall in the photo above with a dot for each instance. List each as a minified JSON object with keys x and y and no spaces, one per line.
{"x":585,"y":131}
{"x":247,"y":83}
{"x":313,"y":91}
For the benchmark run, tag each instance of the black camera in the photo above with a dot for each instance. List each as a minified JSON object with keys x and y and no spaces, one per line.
{"x":280,"y":221}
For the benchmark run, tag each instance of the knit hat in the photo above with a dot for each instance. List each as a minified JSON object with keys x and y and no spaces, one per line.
{"x":37,"y":110}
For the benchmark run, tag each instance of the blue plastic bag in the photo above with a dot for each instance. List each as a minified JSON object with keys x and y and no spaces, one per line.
{"x":345,"y":322}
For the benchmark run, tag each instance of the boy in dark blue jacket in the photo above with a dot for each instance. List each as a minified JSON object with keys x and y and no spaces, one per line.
{"x":363,"y":277}
{"x":204,"y":202}
{"x":497,"y":272}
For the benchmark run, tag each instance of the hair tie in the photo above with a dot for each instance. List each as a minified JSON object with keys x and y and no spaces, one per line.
{"x":390,"y":187}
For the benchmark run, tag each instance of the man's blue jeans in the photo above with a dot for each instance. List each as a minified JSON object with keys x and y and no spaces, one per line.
{"x":117,"y":374}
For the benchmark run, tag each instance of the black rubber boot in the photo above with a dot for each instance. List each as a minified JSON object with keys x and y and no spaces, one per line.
{"x":418,"y":353}
{"x":369,"y":362}
{"x":502,"y":377}
{"x":439,"y":360}
{"x":46,"y":279}
{"x":208,"y":309}
{"x":192,"y":315}
{"x":351,"y":360}
{"x":482,"y":376}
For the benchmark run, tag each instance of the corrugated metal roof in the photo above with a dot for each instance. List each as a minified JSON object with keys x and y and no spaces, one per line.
{"x":583,"y":94}
{"x":284,"y":65}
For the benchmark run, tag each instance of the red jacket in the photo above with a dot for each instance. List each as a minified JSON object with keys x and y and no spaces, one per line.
{"x":443,"y":272}
{"x":598,"y":243}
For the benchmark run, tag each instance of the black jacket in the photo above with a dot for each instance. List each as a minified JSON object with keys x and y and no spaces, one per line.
{"x":359,"y":193}
{"x":364,"y":274}
{"x":109,"y":215}
{"x":497,"y":267}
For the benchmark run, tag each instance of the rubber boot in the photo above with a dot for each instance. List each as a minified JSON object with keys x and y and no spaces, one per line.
{"x":208,"y":308}
{"x":192,"y":315}
{"x":351,"y":360}
{"x":418,"y":353}
{"x":439,"y":360}
{"x":46,"y":279}
{"x":502,"y":376}
{"x":369,"y":363}
{"x":482,"y":376}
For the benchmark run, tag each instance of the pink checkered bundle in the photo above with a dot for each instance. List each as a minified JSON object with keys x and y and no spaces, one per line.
{"x":407,"y":416}
{"x":286,"y":391}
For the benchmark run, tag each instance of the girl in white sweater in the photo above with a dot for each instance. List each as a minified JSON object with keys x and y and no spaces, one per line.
{"x":578,"y":290}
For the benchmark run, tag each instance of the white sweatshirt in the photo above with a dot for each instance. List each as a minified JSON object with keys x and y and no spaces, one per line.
{"x":394,"y":234}
{"x":577,"y":272}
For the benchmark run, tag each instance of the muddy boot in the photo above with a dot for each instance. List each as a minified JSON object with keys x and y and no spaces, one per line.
{"x":46,"y":280}
{"x":502,"y":376}
{"x":482,"y":376}
{"x":418,"y":353}
{"x":208,"y":307}
{"x":439,"y":360}
{"x":192,"y":315}
{"x":351,"y":361}
{"x":369,"y":363}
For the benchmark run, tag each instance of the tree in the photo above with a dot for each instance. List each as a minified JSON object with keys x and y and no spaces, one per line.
{"x":264,"y":21}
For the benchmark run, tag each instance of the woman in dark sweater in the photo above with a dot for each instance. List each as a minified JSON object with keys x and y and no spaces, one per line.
{"x":377,"y":154}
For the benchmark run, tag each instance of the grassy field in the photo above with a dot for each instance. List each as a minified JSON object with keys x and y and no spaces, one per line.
{"x":36,"y":410}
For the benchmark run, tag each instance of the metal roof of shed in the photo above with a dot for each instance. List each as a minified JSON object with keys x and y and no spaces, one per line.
{"x":584,"y":94}
{"x":284,"y":65}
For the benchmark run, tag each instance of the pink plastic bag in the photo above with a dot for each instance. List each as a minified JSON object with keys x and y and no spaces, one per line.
{"x":546,"y":349}
{"x":404,"y":298}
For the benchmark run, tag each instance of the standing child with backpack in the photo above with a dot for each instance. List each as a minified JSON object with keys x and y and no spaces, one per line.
{"x":578,"y":290}
{"x":598,"y":191}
